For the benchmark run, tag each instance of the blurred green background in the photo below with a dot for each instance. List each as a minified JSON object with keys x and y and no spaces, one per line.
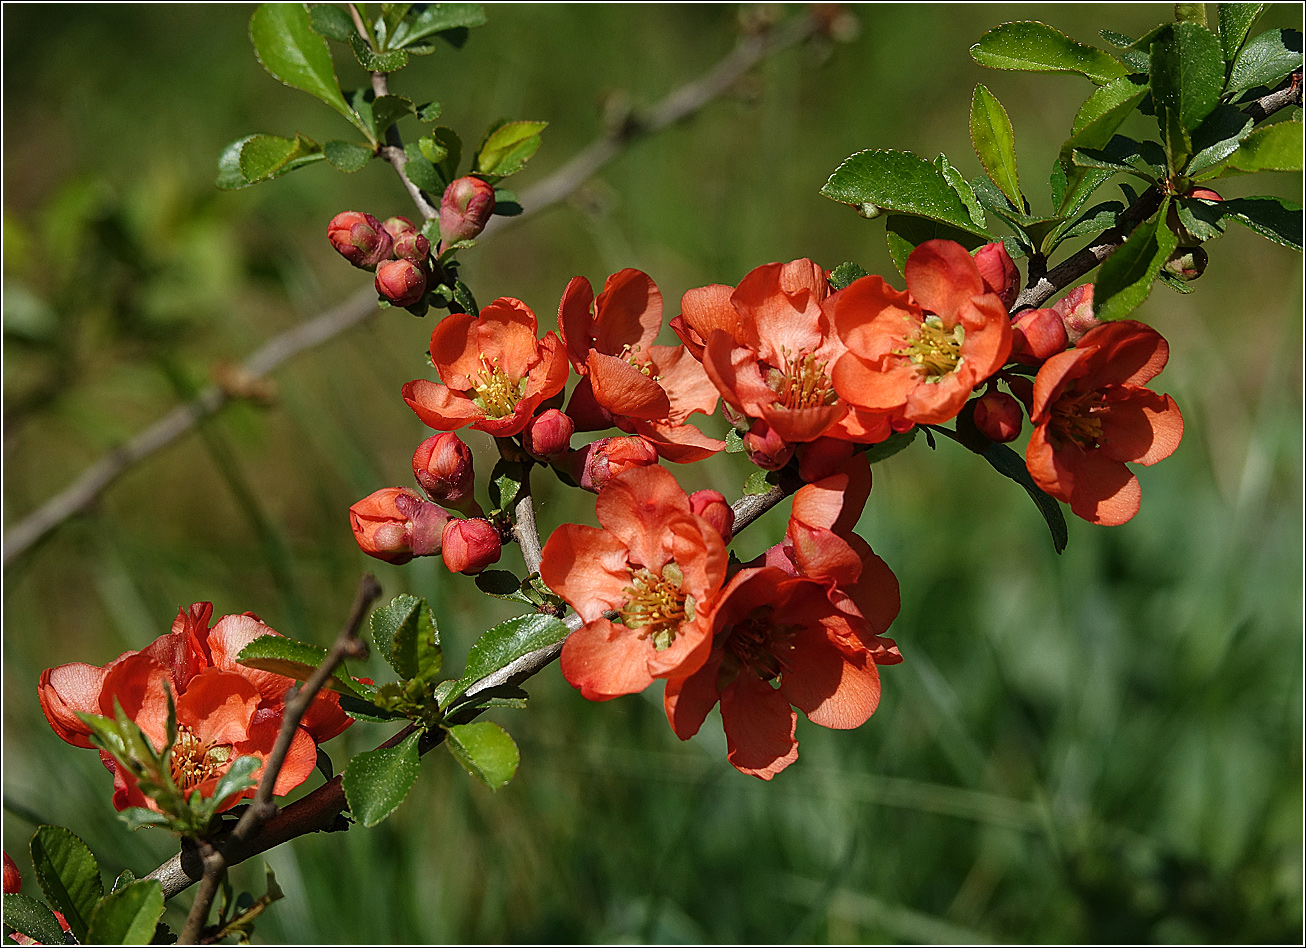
{"x":1102,"y":746}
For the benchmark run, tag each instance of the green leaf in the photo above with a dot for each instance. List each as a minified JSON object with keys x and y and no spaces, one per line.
{"x":902,"y":182}
{"x":391,"y":61}
{"x":735,"y":441}
{"x":1217,"y":138}
{"x":346,"y":156}
{"x":1236,"y":21}
{"x":33,"y":918}
{"x":485,"y":750}
{"x":406,"y":634}
{"x":957,"y":181}
{"x":421,"y":172}
{"x":1265,"y":60}
{"x":392,"y":14}
{"x":509,"y":641}
{"x":1271,"y":217}
{"x":904,"y":234}
{"x":1187,"y":74}
{"x":128,"y":915}
{"x":285,"y":656}
{"x":1010,"y":464}
{"x":238,"y":778}
{"x":437,"y":18}
{"x":501,"y":584}
{"x":389,"y":109}
{"x":139,"y":817}
{"x":841,"y":276}
{"x":288,"y":48}
{"x":1146,"y":159}
{"x":377,"y":781}
{"x":506,"y":203}
{"x":891,"y":445}
{"x":429,"y":112}
{"x":1104,"y":112}
{"x":1037,"y":47}
{"x":462,"y":295}
{"x":758,"y":483}
{"x":505,"y":481}
{"x":331,"y":21}
{"x":1126,"y":277}
{"x":506,"y":149}
{"x":1096,"y":219}
{"x":995,"y":143}
{"x":68,"y":874}
{"x":1073,"y":201}
{"x":448,"y":139}
{"x":265,"y":156}
{"x":1275,"y":147}
{"x":1200,"y":218}
{"x":126,"y":877}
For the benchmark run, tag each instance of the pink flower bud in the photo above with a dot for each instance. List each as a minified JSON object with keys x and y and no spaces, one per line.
{"x":998,"y":416}
{"x":1204,"y":194}
{"x":470,"y":545}
{"x":548,"y":435}
{"x":402,"y":282}
{"x":1037,"y":335}
{"x":765,"y":448}
{"x":822,"y":457}
{"x":603,"y":460}
{"x":394,"y":524}
{"x":466,"y":206}
{"x":1187,"y":263}
{"x":13,"y":881}
{"x":442,"y":464}
{"x":1076,"y":312}
{"x":359,"y":238}
{"x":711,"y":506}
{"x":409,"y":244}
{"x":998,"y":272}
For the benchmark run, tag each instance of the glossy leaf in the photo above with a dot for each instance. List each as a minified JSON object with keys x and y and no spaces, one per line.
{"x":501,"y":584}
{"x":437,"y":18}
{"x":331,"y":21}
{"x":904,"y":234}
{"x":891,"y":445}
{"x":421,"y":172}
{"x":449,"y":140}
{"x":509,"y":641}
{"x":1274,"y":218}
{"x":757,"y":483}
{"x":995,"y":143}
{"x":1275,"y":147}
{"x":1037,"y":47}
{"x":841,"y":276}
{"x":1187,"y":75}
{"x":505,"y":482}
{"x":1146,"y":159}
{"x":346,"y":156}
{"x":1095,"y":124}
{"x":288,"y":48}
{"x":1126,"y":277}
{"x":485,"y":750}
{"x":506,"y":149}
{"x":139,"y":817}
{"x":238,"y":778}
{"x":264,"y":156}
{"x":298,"y":660}
{"x":902,"y":182}
{"x":957,"y":181}
{"x":127,"y":916}
{"x":1217,"y":138}
{"x":1096,"y":219}
{"x":1265,"y":60}
{"x":389,"y":109}
{"x":1236,"y":21}
{"x":1010,"y":464}
{"x":1202,"y":219}
{"x":33,"y":918}
{"x":506,"y":203}
{"x":68,"y":874}
{"x":406,"y":635}
{"x":377,"y":781}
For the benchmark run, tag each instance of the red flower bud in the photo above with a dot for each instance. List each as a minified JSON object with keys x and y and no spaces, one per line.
{"x":1037,"y":335}
{"x":998,"y":271}
{"x":394,"y":524}
{"x":466,"y":206}
{"x":822,"y":457}
{"x":1204,"y":194}
{"x":442,"y":464}
{"x":13,"y":881}
{"x":765,"y":448}
{"x":998,"y":416}
{"x":1076,"y":312}
{"x":608,"y":457}
{"x":359,"y":238}
{"x":711,"y":506}
{"x":470,"y":545}
{"x":548,"y":436}
{"x":409,"y":244}
{"x":397,"y":226}
{"x":402,"y":282}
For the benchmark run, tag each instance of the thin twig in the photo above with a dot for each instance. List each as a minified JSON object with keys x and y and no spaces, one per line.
{"x":1290,"y":93}
{"x":393,"y":152}
{"x":262,"y":808}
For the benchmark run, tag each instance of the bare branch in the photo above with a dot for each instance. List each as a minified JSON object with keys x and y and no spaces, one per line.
{"x":1290,"y":93}
{"x":393,"y":152}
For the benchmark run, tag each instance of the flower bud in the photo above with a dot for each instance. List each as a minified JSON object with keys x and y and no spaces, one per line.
{"x":402,"y":282}
{"x":603,"y":460}
{"x":1187,"y":263}
{"x":1204,"y":194}
{"x":13,"y":881}
{"x":1023,"y":389}
{"x":711,"y":506}
{"x":394,"y":524}
{"x":409,"y":243}
{"x":1076,"y":312}
{"x":1037,"y":335}
{"x":548,"y":435}
{"x":442,"y":464}
{"x":470,"y":545}
{"x":998,"y":271}
{"x":466,"y":206}
{"x":998,"y":416}
{"x":765,"y":448}
{"x":822,"y":457}
{"x":359,"y":238}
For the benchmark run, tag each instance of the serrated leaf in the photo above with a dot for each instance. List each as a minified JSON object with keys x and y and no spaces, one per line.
{"x":372,"y":61}
{"x":285,"y":656}
{"x":126,"y":877}
{"x":346,"y":156}
{"x":437,"y":18}
{"x":1146,"y":159}
{"x":1271,"y":217}
{"x":904,"y":234}
{"x":995,"y":143}
{"x":1126,"y":277}
{"x":507,"y":148}
{"x":1096,"y":219}
{"x":68,"y":874}
{"x":1036,"y":47}
{"x":505,"y":482}
{"x":1200,"y":218}
{"x":388,"y":109}
{"x":284,"y":41}
{"x":392,"y":14}
{"x":33,"y":918}
{"x":501,"y":584}
{"x":891,"y":445}
{"x":139,"y":817}
{"x":902,"y":182}
{"x":1186,"y":76}
{"x":486,"y":751}
{"x":377,"y":781}
{"x":269,"y":156}
{"x":845,"y":274}
{"x":429,"y":112}
{"x":757,"y":483}
{"x":363,"y":710}
{"x":1095,"y":123}
{"x":1217,"y":138}
{"x":407,"y":637}
{"x":509,"y":641}
{"x":448,"y":139}
{"x":432,"y":150}
{"x":331,"y":21}
{"x":1236,"y":21}
{"x":128,"y":915}
{"x":957,"y":181}
{"x":1265,"y":60}
{"x":238,"y":778}
{"x":734,"y":442}
{"x":1275,"y":147}
{"x":1010,"y":464}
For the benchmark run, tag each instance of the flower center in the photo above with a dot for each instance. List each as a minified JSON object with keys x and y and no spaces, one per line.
{"x":192,"y":762}
{"x":496,"y":394}
{"x":754,"y":642}
{"x":656,"y":605}
{"x":630,"y":355}
{"x":1077,"y":418}
{"x":934,"y":350}
{"x":802,"y":382}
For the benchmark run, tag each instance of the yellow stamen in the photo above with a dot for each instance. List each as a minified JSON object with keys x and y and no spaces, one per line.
{"x":656,"y":605}
{"x":1076,"y":418}
{"x":496,"y":394}
{"x":193,"y":762}
{"x":801,"y":382}
{"x":934,"y":350}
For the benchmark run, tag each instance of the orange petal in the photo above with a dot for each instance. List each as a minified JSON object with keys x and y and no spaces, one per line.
{"x":871,"y":317}
{"x":759,"y":726}
{"x":438,"y":407}
{"x":684,"y":380}
{"x":218,"y":706}
{"x":576,"y":320}
{"x":641,"y":507}
{"x":605,"y":660}
{"x":1105,"y":491}
{"x":624,"y":390}
{"x":505,"y":336}
{"x":942,"y":277}
{"x":453,"y":350}
{"x":229,"y":636}
{"x":779,"y":305}
{"x":688,"y":700}
{"x":66,"y":690}
{"x":876,"y":592}
{"x":879,"y":387}
{"x":140,"y":684}
{"x":627,"y":313}
{"x":679,"y":444}
{"x":704,"y":310}
{"x":1131,"y":353}
{"x":587,"y":567}
{"x":1141,"y":426}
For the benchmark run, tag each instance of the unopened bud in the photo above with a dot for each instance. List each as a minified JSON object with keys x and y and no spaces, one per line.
{"x":1076,"y":312}
{"x":394,"y":524}
{"x":409,"y":243}
{"x":12,"y":880}
{"x":548,"y":435}
{"x":470,"y":545}
{"x":998,"y":416}
{"x":821,"y":458}
{"x":1037,"y":335}
{"x":711,"y":506}
{"x":359,"y":238}
{"x":466,"y":206}
{"x":1204,"y":194}
{"x":402,"y":282}
{"x":606,"y":458}
{"x":1187,"y":263}
{"x":442,"y":464}
{"x":765,"y":448}
{"x":998,"y":271}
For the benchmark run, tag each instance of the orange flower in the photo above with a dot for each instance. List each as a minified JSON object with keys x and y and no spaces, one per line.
{"x":656,"y":564}
{"x":628,"y":381}
{"x":494,"y":369}
{"x":1092,"y":413}
{"x":768,"y":347}
{"x":918,"y":354}
{"x":224,"y":710}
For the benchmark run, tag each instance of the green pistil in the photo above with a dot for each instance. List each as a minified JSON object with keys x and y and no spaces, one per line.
{"x":656,"y":605}
{"x":496,"y":394}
